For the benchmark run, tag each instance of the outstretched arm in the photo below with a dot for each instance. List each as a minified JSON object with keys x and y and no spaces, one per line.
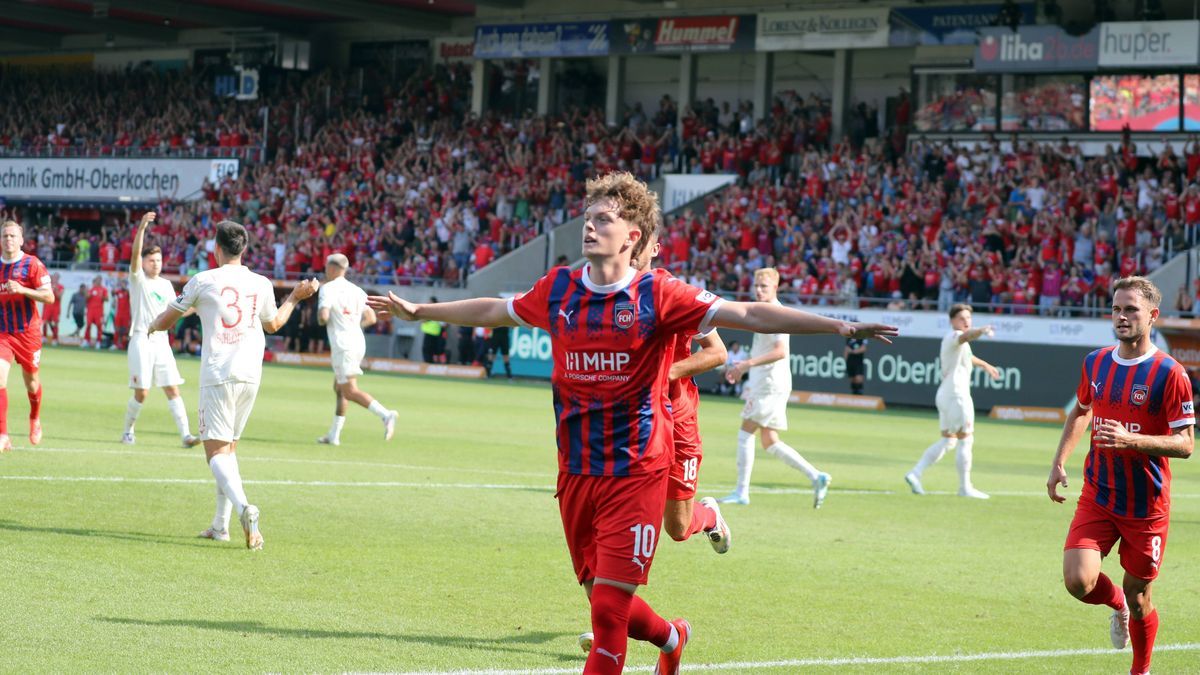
{"x":991,"y":370}
{"x":712,"y":354}
{"x":301,"y":291}
{"x":139,"y":240}
{"x":763,"y":317}
{"x":483,"y":312}
{"x":975,"y":334}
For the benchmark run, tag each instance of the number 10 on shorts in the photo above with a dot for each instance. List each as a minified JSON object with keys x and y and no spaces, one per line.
{"x":643,"y":541}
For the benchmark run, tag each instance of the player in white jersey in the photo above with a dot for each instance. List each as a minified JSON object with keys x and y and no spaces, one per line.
{"x":235,"y":307}
{"x":956,"y":410}
{"x":151,"y":361}
{"x":766,"y":394}
{"x":342,"y":309}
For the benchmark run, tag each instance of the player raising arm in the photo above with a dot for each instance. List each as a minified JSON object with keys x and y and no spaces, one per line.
{"x":1139,"y":401}
{"x":26,"y":282}
{"x":611,"y":330}
{"x":151,"y":361}
{"x":235,"y":306}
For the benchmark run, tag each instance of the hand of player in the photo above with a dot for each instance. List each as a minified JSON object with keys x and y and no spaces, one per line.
{"x":392,"y":305}
{"x":868,"y":331}
{"x":147,"y":218}
{"x":305,"y":289}
{"x":1058,"y":476}
{"x":735,"y":372}
{"x":10,"y":287}
{"x":1112,"y":434}
{"x":992,"y":371}
{"x":988,"y":330}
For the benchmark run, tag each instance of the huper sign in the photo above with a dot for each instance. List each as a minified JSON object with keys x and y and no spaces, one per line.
{"x":1035,"y":49}
{"x":1149,"y":43}
{"x":123,"y":180}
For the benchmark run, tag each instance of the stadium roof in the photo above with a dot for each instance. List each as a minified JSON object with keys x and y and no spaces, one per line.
{"x":41,"y":24}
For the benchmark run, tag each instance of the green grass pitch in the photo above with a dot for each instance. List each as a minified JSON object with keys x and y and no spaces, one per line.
{"x":442,"y":550}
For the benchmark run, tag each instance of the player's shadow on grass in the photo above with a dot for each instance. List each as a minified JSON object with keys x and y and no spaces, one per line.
{"x":501,"y":644}
{"x":140,"y":537}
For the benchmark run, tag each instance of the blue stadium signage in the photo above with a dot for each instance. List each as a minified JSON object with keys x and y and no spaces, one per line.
{"x":535,"y":40}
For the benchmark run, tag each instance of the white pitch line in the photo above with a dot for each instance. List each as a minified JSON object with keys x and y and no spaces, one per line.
{"x":833,"y":662}
{"x":289,"y":460}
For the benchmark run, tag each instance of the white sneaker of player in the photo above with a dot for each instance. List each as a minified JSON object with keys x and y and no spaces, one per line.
{"x":215,"y":535}
{"x":190,"y":441}
{"x":914,"y":483}
{"x":971,"y":492}
{"x":329,"y":440}
{"x":720,"y":537}
{"x":389,"y":425}
{"x":127,"y":438}
{"x":5,"y":443}
{"x":735,"y":497}
{"x":254,"y":539}
{"x":1118,"y":629}
{"x":821,"y":489}
{"x":585,"y":642}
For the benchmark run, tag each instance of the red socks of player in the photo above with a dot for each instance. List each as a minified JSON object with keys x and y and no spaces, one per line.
{"x":1105,"y":593}
{"x":3,"y":411}
{"x":1141,"y":635}
{"x":35,"y":403}
{"x":646,"y":625}
{"x":703,"y":518}
{"x":610,"y":625}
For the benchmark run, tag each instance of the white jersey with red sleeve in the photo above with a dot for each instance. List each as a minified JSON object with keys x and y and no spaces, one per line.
{"x":612,"y":349}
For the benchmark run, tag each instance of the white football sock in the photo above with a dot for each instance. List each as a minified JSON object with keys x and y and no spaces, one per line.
{"x":745,"y":462}
{"x":672,"y":642}
{"x":932,"y":454}
{"x":335,"y":429}
{"x":964,"y":462}
{"x":179,"y":413}
{"x":793,"y":459}
{"x":229,"y":480}
{"x":380,"y":411}
{"x":132,"y":410}
{"x":220,"y":521}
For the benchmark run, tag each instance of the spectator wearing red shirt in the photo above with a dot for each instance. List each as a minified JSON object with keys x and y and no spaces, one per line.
{"x":97,"y":295}
{"x":122,"y":316}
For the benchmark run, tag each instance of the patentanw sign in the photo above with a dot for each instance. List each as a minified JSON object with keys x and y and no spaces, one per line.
{"x":116,"y":180}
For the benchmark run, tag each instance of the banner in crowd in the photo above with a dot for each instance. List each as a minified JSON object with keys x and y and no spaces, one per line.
{"x":1134,"y":44}
{"x":947,"y":24}
{"x":453,"y":49}
{"x":535,"y":40}
{"x":908,"y":371}
{"x":678,"y":34}
{"x":825,"y":29}
{"x":110,"y":180}
{"x":1036,"y":49}
{"x":682,"y":188}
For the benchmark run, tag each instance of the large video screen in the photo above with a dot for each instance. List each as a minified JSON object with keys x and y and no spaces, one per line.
{"x":1191,"y":102}
{"x":1144,"y":103}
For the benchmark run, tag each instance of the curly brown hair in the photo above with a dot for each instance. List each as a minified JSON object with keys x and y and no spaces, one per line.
{"x":637,"y":203}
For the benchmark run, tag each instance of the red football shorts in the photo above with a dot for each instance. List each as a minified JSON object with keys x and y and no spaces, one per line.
{"x":1143,"y":540}
{"x":681,"y":486}
{"x":20,"y":348}
{"x":612,"y":523}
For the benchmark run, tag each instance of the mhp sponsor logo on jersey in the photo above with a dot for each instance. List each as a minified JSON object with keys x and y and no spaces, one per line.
{"x":1139,"y":394}
{"x":597,"y":361}
{"x":1131,"y":427}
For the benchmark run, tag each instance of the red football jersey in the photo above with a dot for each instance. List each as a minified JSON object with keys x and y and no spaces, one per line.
{"x":683,"y":393}
{"x":19,"y":314}
{"x":95,"y":300}
{"x":1150,"y":395}
{"x":613,"y":349}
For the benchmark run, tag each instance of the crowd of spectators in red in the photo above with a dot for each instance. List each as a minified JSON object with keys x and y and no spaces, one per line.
{"x":1025,"y":227}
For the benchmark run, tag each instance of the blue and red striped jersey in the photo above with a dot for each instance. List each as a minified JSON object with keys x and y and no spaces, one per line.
{"x":613,"y":347}
{"x":19,"y":314}
{"x":1149,"y":395}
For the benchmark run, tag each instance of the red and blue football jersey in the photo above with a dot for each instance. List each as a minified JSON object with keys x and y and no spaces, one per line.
{"x":613,"y":347}
{"x":19,"y":314}
{"x":1150,"y":395}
